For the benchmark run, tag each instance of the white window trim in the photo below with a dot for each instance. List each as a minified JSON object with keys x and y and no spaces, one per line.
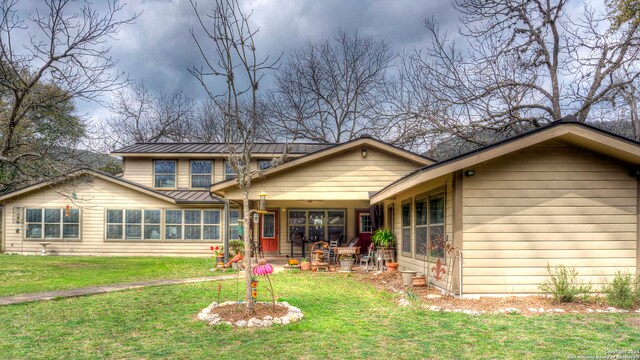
{"x":42,"y":224}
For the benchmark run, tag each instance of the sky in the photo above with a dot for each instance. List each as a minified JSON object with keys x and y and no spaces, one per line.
{"x":159,"y":49}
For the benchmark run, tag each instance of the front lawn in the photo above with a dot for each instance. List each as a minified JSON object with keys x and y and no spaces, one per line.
{"x":344,"y":319}
{"x":27,"y":274}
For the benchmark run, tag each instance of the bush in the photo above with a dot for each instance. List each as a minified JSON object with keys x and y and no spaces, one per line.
{"x":624,"y":291}
{"x":563,"y":284}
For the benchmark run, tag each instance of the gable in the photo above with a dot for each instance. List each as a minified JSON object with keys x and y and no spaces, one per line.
{"x":341,"y":176}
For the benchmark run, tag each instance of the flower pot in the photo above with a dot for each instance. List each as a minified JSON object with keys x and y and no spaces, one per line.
{"x":219,"y":259}
{"x":407,"y":275}
{"x":305,"y":266}
{"x":314,"y":269}
{"x":347,"y":264}
{"x":392,"y":266}
{"x":419,"y":280}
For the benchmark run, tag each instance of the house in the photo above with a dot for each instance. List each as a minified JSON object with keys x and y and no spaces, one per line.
{"x":162,"y":203}
{"x":564,"y":194}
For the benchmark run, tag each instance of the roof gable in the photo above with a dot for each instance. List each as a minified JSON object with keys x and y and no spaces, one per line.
{"x":566,"y":129}
{"x":327,"y":153}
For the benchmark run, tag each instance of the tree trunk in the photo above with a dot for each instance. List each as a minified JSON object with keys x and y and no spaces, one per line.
{"x":249,"y":310}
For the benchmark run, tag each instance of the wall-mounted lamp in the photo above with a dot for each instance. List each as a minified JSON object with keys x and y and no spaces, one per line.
{"x":364,"y":153}
{"x":469,"y":173}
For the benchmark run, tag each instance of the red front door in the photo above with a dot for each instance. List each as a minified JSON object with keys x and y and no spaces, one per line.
{"x":269,"y":231}
{"x":363,"y":229}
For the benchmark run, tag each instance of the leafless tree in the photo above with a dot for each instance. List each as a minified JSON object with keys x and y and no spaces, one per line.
{"x":230,"y":54}
{"x":141,"y":116}
{"x":332,"y":90}
{"x":523,"y":63}
{"x":48,"y":59}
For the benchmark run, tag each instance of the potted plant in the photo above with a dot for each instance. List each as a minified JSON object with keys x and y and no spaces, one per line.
{"x":305,"y":265}
{"x":218,"y":253}
{"x":347,"y":262}
{"x":292,"y":264}
{"x":383,"y":238}
{"x":237,"y":246}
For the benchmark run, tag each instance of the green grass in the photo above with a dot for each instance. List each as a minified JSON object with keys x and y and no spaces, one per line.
{"x":27,"y":274}
{"x":344,"y":319}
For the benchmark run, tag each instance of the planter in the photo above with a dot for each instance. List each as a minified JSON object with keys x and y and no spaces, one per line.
{"x":407,"y":275}
{"x":305,"y":266}
{"x":419,"y":280}
{"x":219,"y":259}
{"x":391,"y":266}
{"x":347,"y":264}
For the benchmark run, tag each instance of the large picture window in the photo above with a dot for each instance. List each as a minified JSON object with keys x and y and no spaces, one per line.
{"x":201,"y":173}
{"x":406,"y":227}
{"x":52,"y":224}
{"x":164,"y":173}
{"x":189,"y":224}
{"x":316,"y":225}
{"x":429,"y":225}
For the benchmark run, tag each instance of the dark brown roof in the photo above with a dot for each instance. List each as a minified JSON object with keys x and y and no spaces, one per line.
{"x":220,"y":148}
{"x":193,"y":196}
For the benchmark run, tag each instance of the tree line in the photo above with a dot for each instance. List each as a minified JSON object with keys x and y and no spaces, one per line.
{"x":515,"y":65}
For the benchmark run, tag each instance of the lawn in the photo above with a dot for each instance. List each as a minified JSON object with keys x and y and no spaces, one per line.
{"x":26,"y":274}
{"x":345,"y":319}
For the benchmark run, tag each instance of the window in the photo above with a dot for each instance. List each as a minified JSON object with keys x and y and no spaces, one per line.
{"x":133,"y":224}
{"x":316,"y":225}
{"x":211,"y":224}
{"x":406,"y":227}
{"x":192,"y":227}
{"x":365,"y":223}
{"x":234,"y":216}
{"x":229,"y":171}
{"x":264,"y":164}
{"x":165,"y":173}
{"x":421,"y":226}
{"x":173,"y":227}
{"x":201,"y":173}
{"x":197,"y":224}
{"x":429,"y":225}
{"x":269,"y":225}
{"x":52,"y":223}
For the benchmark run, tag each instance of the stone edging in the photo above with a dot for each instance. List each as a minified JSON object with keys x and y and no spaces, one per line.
{"x":509,"y":311}
{"x":293,"y":315}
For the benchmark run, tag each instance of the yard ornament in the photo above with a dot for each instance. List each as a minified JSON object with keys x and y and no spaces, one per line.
{"x":264,"y":269}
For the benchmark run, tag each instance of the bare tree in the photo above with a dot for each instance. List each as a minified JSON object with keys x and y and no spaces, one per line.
{"x":230,"y":54}
{"x":332,"y":90}
{"x":526,"y":62}
{"x":141,"y":116}
{"x":47,"y":60}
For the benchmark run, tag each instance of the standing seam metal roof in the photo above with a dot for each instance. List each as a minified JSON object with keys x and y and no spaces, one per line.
{"x":258,"y":148}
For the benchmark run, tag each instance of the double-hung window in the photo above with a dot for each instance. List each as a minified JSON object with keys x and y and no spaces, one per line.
{"x":429,"y":225}
{"x":133,"y":224}
{"x":229,"y":171}
{"x":192,"y":225}
{"x":211,"y":224}
{"x":173,"y":227}
{"x":421,"y":226}
{"x":201,"y":173}
{"x":164,"y":173}
{"x":406,"y":227}
{"x":436,"y":224}
{"x":52,"y":223}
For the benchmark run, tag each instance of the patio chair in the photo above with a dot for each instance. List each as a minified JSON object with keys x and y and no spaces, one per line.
{"x":370,"y":257}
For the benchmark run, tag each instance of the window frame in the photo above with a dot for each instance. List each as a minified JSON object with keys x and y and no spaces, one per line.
{"x":192,"y":174}
{"x":43,"y":223}
{"x":427,"y":196}
{"x":175,"y":174}
{"x":409,"y":238}
{"x":228,"y":175}
{"x":308,"y":224}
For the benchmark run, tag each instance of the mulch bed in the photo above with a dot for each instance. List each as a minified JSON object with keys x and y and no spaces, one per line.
{"x":233,"y":313}
{"x":392,"y":281}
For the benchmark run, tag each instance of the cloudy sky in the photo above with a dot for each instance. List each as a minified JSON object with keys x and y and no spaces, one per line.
{"x":158,"y":47}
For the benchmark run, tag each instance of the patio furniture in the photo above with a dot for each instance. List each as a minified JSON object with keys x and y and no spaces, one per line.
{"x":384,"y":256}
{"x":370,"y":257}
{"x":346,"y":250}
{"x":329,"y":253}
{"x":318,"y":259}
{"x":297,"y":239}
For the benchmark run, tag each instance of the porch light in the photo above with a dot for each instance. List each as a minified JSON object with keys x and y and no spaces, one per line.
{"x":469,"y":173}
{"x":364,"y":153}
{"x":263,"y":201}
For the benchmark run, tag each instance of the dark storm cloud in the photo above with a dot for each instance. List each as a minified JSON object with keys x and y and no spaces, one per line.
{"x":159,"y":49}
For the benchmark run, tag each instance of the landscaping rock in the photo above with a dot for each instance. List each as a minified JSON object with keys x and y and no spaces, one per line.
{"x":541,"y":310}
{"x":277,"y":320}
{"x":512,"y":310}
{"x":294,"y":309}
{"x":214,"y":322}
{"x":241,"y":323}
{"x":589,"y":310}
{"x":268,"y":317}
{"x":435,"y":308}
{"x":403,"y":302}
{"x":293,"y":314}
{"x":285,"y":320}
{"x":600,"y":311}
{"x":434,"y":296}
{"x":267,"y":323}
{"x":558,"y":310}
{"x":468,"y":312}
{"x":533,"y":310}
{"x":613,"y":310}
{"x":457,"y":310}
{"x":284,"y":303}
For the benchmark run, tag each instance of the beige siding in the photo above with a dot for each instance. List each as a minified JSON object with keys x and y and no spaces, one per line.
{"x":547,"y":204}
{"x":93,"y":199}
{"x":344,"y":176}
{"x":139,"y":170}
{"x":410,"y":261}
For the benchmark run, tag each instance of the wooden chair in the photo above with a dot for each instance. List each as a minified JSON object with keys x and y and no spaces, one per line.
{"x":370,"y":257}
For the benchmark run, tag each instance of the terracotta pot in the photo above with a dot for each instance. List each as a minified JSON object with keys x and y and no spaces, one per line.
{"x":314,"y":269}
{"x":305,"y":266}
{"x":419,"y":280}
{"x":392,"y":266}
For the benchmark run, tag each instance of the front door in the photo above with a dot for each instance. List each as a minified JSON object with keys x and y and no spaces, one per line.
{"x":269,"y":231}
{"x":363,"y":229}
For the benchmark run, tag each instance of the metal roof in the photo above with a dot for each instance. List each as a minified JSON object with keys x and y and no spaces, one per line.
{"x":220,"y":148}
{"x":192,"y":196}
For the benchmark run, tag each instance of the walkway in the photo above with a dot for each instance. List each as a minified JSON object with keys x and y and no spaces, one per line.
{"x":49,"y":295}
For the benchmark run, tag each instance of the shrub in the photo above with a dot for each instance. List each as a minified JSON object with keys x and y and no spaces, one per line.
{"x":624,"y":291}
{"x":237,"y":246}
{"x":563,"y":284}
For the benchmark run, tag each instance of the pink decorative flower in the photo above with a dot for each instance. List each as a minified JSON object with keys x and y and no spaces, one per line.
{"x":262,"y":268}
